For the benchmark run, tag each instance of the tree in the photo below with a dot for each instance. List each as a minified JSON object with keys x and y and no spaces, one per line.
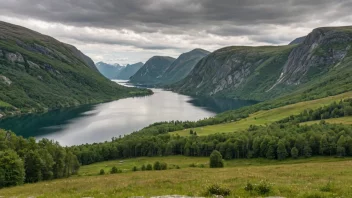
{"x":294,"y":153}
{"x":143,"y":168}
{"x":114,"y":170}
{"x":281,"y":150}
{"x":157,"y":166}
{"x":216,"y":160}
{"x":102,"y":172}
{"x":149,"y":167}
{"x":307,"y":151}
{"x":33,"y":165}
{"x":340,"y":150}
{"x":12,"y":170}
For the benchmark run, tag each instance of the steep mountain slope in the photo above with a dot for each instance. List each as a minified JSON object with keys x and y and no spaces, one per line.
{"x":152,"y":70}
{"x":38,"y":73}
{"x":298,"y":40}
{"x":320,"y":65}
{"x":109,"y":71}
{"x":182,"y":66}
{"x":128,"y":71}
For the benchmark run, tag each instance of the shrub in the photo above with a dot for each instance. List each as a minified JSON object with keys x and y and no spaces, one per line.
{"x":114,"y":170}
{"x":217,"y":190}
{"x":134,"y":169}
{"x":143,"y":168}
{"x":216,"y":160}
{"x":157,"y":166}
{"x":263,"y":188}
{"x":149,"y":167}
{"x":102,"y":172}
{"x":249,"y":187}
{"x":193,"y":165}
{"x":163,"y":166}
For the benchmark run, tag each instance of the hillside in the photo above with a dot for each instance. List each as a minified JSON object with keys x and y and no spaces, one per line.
{"x":128,"y":71}
{"x":322,"y":63}
{"x":39,"y":73}
{"x":108,"y":70}
{"x":182,"y":66}
{"x":152,"y":70}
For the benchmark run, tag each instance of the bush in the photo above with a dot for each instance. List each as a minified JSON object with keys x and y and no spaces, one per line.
{"x":157,"y":166}
{"x":218,"y":190}
{"x":102,"y":172}
{"x":216,"y":160}
{"x":163,"y":166}
{"x":193,"y":165}
{"x":114,"y":170}
{"x":263,"y":188}
{"x":149,"y":167}
{"x":249,"y":187}
{"x":143,"y":168}
{"x":134,"y":169}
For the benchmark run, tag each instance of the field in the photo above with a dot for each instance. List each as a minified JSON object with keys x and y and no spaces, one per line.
{"x":291,"y":178}
{"x":266,"y":117}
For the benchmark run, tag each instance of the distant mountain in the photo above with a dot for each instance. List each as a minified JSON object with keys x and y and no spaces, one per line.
{"x":321,"y":64}
{"x":128,"y":71}
{"x":298,"y":40}
{"x":152,"y":70}
{"x":108,"y":70}
{"x":39,"y":73}
{"x":182,"y":66}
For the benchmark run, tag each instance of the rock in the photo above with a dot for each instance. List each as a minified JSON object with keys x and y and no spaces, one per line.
{"x":5,"y":80}
{"x":14,"y":57}
{"x":33,"y":65}
{"x":1,"y":117}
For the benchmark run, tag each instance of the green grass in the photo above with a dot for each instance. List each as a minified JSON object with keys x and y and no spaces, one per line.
{"x":342,"y":120}
{"x":290,"y":178}
{"x":4,"y":104}
{"x":265,"y":117}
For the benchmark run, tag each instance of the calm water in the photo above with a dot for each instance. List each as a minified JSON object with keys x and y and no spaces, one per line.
{"x":97,"y":123}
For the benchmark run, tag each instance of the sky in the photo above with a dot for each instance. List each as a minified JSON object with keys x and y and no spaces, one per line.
{"x":130,"y":31}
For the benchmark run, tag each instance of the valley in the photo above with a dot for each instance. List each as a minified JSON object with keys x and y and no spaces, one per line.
{"x":204,"y":110}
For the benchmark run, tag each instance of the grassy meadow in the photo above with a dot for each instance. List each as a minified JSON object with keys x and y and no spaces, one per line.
{"x":265,"y":117}
{"x":313,"y":177}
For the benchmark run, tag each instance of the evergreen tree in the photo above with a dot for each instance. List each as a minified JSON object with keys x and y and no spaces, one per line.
{"x":216,"y":160}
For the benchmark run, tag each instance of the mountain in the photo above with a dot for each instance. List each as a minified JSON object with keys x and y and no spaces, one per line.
{"x":322,"y":64}
{"x":128,"y":71}
{"x":152,"y":70}
{"x":182,"y":66}
{"x":39,"y":73}
{"x":298,"y":40}
{"x":109,"y":71}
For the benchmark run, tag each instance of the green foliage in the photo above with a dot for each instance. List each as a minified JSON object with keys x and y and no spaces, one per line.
{"x":102,"y":172}
{"x":12,"y":170}
{"x":34,"y":161}
{"x":263,"y":188}
{"x":281,"y":151}
{"x":143,"y":168}
{"x":115,"y":170}
{"x":217,"y":190}
{"x":216,"y":160}
{"x":149,"y":167}
{"x":160,"y":166}
{"x":328,"y":187}
{"x":249,"y":187}
{"x":134,"y":169}
{"x":294,"y":153}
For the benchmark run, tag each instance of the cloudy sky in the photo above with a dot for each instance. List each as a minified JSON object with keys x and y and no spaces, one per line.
{"x":128,"y":31}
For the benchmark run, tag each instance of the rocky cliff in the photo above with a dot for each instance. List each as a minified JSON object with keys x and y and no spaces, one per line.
{"x":261,"y":73}
{"x":129,"y":71}
{"x":152,"y":70}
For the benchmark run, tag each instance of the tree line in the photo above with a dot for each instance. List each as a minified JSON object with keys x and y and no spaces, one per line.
{"x":276,"y":141}
{"x":334,"y":110}
{"x":27,"y":161}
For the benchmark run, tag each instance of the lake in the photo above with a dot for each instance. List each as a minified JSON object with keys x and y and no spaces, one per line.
{"x":98,"y":123}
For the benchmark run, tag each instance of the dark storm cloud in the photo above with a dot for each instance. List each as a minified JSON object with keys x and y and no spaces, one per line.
{"x":138,"y":15}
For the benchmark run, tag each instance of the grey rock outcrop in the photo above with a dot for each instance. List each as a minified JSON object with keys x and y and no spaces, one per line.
{"x":14,"y":57}
{"x":5,"y":80}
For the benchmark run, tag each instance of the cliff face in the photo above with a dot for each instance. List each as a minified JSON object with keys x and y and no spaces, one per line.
{"x":261,"y":73}
{"x":152,"y":70}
